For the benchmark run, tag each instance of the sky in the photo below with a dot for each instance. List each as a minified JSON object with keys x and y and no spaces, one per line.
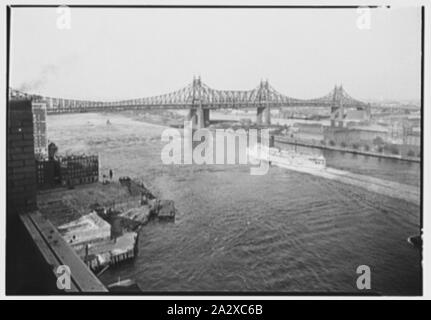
{"x":124,"y":53}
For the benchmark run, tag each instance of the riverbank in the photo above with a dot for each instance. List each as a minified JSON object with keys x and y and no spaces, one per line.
{"x":387,"y":188}
{"x":384,"y":187}
{"x":303,"y":143}
{"x":163,"y":120}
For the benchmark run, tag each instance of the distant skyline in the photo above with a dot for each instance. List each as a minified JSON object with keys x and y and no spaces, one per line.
{"x":118,"y":53}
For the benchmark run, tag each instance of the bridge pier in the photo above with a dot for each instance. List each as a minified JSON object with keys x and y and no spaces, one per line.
{"x":192,"y":116}
{"x":263,"y":116}
{"x":200,"y":116}
{"x":259,"y":115}
{"x":337,"y":114}
{"x":267,"y":116}
{"x":336,"y":118}
{"x":368,"y":112}
{"x":206,"y":117}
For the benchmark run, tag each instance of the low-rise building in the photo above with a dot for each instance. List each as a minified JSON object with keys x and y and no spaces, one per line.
{"x":413,"y":138}
{"x":309,"y":128}
{"x":353,"y":135}
{"x":88,"y":229}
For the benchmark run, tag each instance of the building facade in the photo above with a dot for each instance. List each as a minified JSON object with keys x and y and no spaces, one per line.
{"x":350,"y":136}
{"x":39,"y":128}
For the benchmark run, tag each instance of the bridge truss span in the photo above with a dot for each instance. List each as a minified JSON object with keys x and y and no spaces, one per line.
{"x":199,"y":96}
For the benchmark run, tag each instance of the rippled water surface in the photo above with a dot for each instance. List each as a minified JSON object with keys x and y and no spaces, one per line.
{"x":283,"y":231}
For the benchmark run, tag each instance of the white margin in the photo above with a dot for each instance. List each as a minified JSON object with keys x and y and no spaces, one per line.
{"x":426,"y":153}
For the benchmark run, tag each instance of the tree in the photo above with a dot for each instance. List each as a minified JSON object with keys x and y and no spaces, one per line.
{"x":52,"y":151}
{"x":393,"y":149}
{"x":331,"y":142}
{"x":366,"y":147}
{"x":355,"y":146}
{"x":343,"y":144}
{"x":411,"y":153}
{"x":378,"y":141}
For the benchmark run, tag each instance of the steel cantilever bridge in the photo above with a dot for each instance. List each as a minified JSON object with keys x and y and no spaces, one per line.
{"x":200,"y":99}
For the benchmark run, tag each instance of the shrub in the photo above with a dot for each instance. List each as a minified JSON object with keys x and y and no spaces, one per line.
{"x":355,"y":146}
{"x":411,"y":153}
{"x":343,"y":144}
{"x":366,"y":147}
{"x":378,"y":141}
{"x":332,"y":143}
{"x":393,"y":149}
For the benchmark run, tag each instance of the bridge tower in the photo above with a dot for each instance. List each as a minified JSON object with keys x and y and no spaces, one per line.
{"x":263,"y":109}
{"x":368,"y":112}
{"x":198,"y":114}
{"x":337,"y":108}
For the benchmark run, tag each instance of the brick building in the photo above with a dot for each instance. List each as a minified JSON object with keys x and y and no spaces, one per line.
{"x":21,"y":169}
{"x":20,"y":195}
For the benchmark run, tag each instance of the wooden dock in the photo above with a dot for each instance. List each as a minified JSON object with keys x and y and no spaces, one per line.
{"x":110,"y":253}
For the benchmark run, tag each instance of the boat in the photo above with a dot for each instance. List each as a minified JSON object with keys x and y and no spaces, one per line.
{"x":287,"y":158}
{"x":127,"y":285}
{"x":415,"y":241}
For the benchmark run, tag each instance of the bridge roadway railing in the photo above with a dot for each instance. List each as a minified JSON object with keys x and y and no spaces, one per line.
{"x":240,"y":105}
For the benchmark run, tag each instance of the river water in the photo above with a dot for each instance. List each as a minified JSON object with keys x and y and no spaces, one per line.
{"x":280,"y":232}
{"x":387,"y":169}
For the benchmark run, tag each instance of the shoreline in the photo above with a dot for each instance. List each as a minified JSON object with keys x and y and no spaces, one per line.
{"x":303,"y":143}
{"x":383,"y":187}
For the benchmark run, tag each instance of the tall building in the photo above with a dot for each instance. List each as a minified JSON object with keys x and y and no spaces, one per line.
{"x":39,"y":127}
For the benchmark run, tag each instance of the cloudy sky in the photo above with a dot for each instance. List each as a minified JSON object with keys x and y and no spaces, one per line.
{"x":130,"y":53}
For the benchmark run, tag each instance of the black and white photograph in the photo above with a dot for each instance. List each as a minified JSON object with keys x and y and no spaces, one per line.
{"x":222,"y":150}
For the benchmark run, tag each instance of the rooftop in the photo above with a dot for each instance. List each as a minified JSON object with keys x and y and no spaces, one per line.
{"x":88,"y":222}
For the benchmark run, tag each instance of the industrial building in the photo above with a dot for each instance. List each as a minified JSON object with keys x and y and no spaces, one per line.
{"x":349,"y":136}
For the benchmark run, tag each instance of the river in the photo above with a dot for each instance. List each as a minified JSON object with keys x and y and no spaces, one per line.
{"x":281,"y":232}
